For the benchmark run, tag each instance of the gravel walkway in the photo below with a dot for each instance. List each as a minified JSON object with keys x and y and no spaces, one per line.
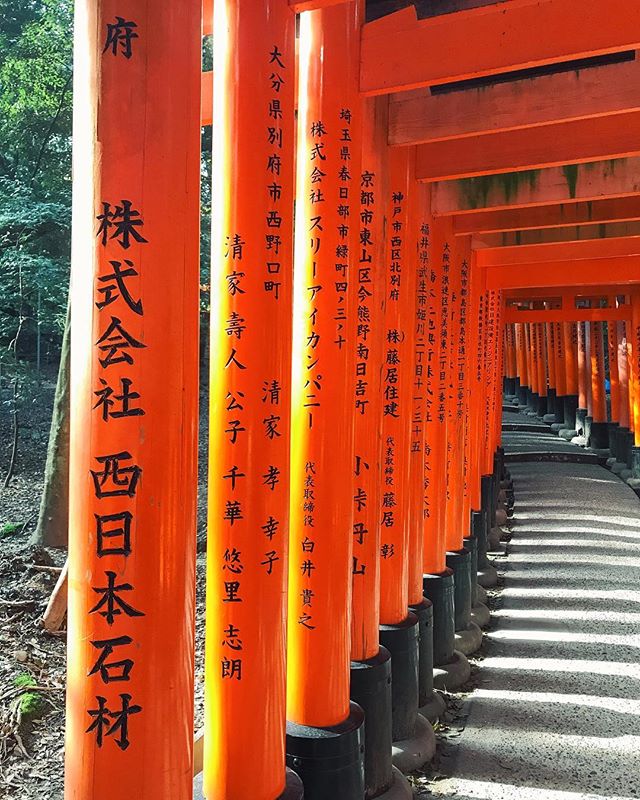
{"x":557,"y":714}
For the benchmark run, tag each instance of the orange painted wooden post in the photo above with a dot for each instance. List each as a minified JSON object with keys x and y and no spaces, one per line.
{"x":614,"y":382}
{"x":541,"y":357}
{"x":322,"y":445}
{"x":550,"y":356}
{"x":625,"y":434}
{"x":586,"y":334}
{"x":434,"y":547}
{"x":459,"y":556}
{"x":438,"y":580}
{"x":633,"y":340}
{"x":511,"y":367}
{"x":583,"y":399}
{"x":614,"y":377}
{"x":399,"y":631}
{"x":370,"y":662}
{"x":134,"y":401}
{"x":623,"y":374}
{"x":420,"y":237}
{"x":521,"y":356}
{"x":369,"y":344}
{"x":251,"y":305}
{"x":560,"y":370}
{"x":570,"y":331}
{"x":599,"y":429}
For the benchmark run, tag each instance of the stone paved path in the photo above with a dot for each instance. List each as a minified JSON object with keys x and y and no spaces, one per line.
{"x":557,"y":714}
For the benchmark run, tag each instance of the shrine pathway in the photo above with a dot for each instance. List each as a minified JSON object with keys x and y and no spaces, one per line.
{"x":557,"y":714}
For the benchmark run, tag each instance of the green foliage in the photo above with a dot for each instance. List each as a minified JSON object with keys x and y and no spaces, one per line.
{"x":9,"y":528}
{"x":35,"y":172}
{"x":31,"y":704}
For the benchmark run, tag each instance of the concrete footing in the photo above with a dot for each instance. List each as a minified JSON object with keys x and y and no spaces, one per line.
{"x":493,"y":539}
{"x":501,"y":517}
{"x":411,"y":754}
{"x":434,"y":708}
{"x":481,"y":615}
{"x":469,"y":639}
{"x":481,"y":594}
{"x":454,"y":674}
{"x":567,"y":434}
{"x":488,"y":576}
{"x":400,"y":789}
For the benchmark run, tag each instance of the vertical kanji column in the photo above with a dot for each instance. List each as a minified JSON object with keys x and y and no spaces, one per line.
{"x":511,"y":369}
{"x":550,"y":357}
{"x":599,"y":431}
{"x":523,"y":377}
{"x":134,"y":401}
{"x":634,"y":381}
{"x":370,"y":662}
{"x":250,"y":387}
{"x":399,"y":629}
{"x":459,"y":557}
{"x":624,"y":434}
{"x":614,"y":380}
{"x":560,"y":371}
{"x":451,"y":666}
{"x":573,"y":396}
{"x":584,"y":383}
{"x":324,"y":732}
{"x":541,"y":357}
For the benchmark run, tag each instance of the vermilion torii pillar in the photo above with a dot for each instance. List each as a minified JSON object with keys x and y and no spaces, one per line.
{"x":560,"y":371}
{"x":584,"y":384}
{"x":523,"y":377}
{"x":399,"y":631}
{"x":614,"y":378}
{"x":251,"y":308}
{"x":624,"y":434}
{"x":599,"y":431}
{"x":134,"y":396}
{"x":324,"y":732}
{"x":370,"y":662}
{"x":572,"y":397}
{"x":459,"y":557}
{"x":451,"y":666}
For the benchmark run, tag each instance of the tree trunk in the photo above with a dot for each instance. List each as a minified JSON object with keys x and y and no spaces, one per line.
{"x":53,"y":519}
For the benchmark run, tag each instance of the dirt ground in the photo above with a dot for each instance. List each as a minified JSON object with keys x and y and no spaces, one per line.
{"x":32,"y":662}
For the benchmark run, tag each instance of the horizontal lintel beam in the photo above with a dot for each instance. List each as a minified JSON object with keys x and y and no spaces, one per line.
{"x":541,"y":237}
{"x":590,"y":272}
{"x":560,"y":251}
{"x":552,"y":186}
{"x":577,"y":142}
{"x":417,"y":116}
{"x":400,"y":52}
{"x":623,"y":209}
{"x":569,"y":315}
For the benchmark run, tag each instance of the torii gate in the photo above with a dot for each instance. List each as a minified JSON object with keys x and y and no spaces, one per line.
{"x":355,"y":456}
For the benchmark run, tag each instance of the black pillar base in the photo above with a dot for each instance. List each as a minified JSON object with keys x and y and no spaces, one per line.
{"x":424,"y":612}
{"x":471,"y":544}
{"x":542,"y":405}
{"x":509,"y":386}
{"x":631,"y":439}
{"x":460,"y":562}
{"x":612,"y":429}
{"x":622,"y":444}
{"x":635,"y":462}
{"x":402,"y":642}
{"x":522,"y":394}
{"x":371,"y":690}
{"x":439,"y":589}
{"x":329,"y":760}
{"x":581,"y":424}
{"x":551,"y":401}
{"x":532,"y":401}
{"x":599,"y":436}
{"x":570,"y":409}
{"x":588,"y":422}
{"x":559,"y":409}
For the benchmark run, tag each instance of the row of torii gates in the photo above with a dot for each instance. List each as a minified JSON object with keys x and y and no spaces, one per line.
{"x":465,"y":175}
